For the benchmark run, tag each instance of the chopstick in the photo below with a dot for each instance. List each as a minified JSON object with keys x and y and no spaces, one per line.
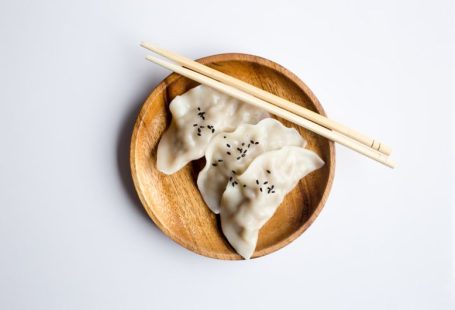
{"x":266,"y":96}
{"x":296,"y":119}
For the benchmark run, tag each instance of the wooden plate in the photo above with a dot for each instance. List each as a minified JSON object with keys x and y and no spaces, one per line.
{"x":174,"y":202}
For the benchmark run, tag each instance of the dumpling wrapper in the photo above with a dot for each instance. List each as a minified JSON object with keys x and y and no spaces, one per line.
{"x":229,"y":154}
{"x":197,"y":116}
{"x":247,"y":206}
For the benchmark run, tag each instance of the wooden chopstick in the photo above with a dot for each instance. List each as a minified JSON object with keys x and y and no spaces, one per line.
{"x":296,"y":119}
{"x":266,"y":96}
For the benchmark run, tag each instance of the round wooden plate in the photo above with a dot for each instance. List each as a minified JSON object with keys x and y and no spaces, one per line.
{"x":174,"y":202}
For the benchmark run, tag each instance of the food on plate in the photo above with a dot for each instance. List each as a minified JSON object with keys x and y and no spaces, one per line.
{"x":252,"y":160}
{"x":197,"y":116}
{"x":250,"y":202}
{"x":229,"y":154}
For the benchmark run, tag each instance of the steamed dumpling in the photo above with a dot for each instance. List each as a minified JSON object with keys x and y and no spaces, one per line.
{"x":229,"y":154}
{"x":197,"y":116}
{"x":250,"y":202}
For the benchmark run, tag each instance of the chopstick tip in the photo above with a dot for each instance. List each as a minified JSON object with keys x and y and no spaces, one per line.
{"x":391,"y":164}
{"x":148,"y":45}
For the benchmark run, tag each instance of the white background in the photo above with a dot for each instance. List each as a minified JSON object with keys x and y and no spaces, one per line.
{"x":72,"y":78}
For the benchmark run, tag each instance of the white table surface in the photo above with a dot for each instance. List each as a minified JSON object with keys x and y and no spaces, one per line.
{"x":72,"y":233}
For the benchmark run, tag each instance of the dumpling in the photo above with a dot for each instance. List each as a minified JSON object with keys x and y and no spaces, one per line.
{"x":229,"y":154}
{"x":197,"y":116}
{"x":249,"y":202}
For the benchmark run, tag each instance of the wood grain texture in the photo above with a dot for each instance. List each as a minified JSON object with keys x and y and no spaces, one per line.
{"x":174,"y":202}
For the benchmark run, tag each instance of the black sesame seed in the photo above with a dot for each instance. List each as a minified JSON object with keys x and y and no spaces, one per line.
{"x":266,"y":182}
{"x":244,"y":185}
{"x":235,"y":182}
{"x":198,"y":108}
{"x":243,"y":144}
{"x":199,"y":134}
{"x":273,"y":192}
{"x":194,"y":125}
{"x":220,"y":160}
{"x":256,"y":142}
{"x":243,"y":155}
{"x":260,"y":189}
{"x":228,"y":145}
{"x":213,"y":130}
{"x":229,"y":153}
{"x":238,"y":158}
{"x":249,"y":145}
{"x":224,"y":137}
{"x":268,"y":171}
{"x":230,"y":179}
{"x":233,"y":171}
{"x":251,"y":141}
{"x":257,"y":182}
{"x":214,"y":165}
{"x":201,"y":126}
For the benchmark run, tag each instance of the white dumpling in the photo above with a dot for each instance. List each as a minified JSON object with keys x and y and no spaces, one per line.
{"x":229,"y":154}
{"x":249,"y":204}
{"x":197,"y":116}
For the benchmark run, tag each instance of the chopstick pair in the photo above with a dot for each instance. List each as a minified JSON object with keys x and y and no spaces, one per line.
{"x":273,"y":104}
